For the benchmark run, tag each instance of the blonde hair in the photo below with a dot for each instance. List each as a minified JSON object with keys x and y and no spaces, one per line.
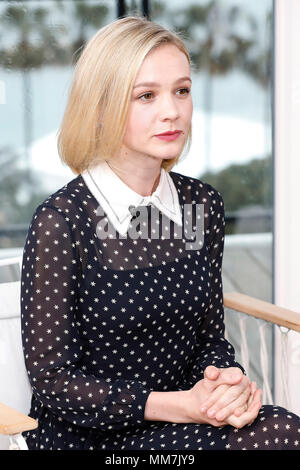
{"x":94,"y":121}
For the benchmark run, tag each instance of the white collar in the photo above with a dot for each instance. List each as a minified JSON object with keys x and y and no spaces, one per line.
{"x":115,"y":196}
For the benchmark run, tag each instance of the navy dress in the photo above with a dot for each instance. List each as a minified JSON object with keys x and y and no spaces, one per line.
{"x":107,"y":321}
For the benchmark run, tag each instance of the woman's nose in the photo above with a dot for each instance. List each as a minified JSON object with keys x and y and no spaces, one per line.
{"x":169,"y":108}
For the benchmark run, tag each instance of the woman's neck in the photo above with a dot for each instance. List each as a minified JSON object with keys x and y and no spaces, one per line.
{"x":142,"y":182}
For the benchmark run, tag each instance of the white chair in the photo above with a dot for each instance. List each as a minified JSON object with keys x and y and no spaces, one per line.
{"x":15,"y":389}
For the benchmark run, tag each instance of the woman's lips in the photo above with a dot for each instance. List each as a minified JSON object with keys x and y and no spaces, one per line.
{"x":169,"y":137}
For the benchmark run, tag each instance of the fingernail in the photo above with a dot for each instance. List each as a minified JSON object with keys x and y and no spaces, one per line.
{"x":203,"y":409}
{"x":211,"y":413}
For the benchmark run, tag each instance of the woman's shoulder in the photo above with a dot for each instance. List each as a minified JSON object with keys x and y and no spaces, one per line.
{"x":63,"y":200}
{"x":196,"y":188}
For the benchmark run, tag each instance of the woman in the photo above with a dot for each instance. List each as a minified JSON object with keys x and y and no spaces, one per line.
{"x":123,"y":335}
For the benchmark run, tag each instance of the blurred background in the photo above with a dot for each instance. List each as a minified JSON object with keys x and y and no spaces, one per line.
{"x":231,"y":46}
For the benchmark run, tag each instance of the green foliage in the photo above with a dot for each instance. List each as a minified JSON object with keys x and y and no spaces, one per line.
{"x":18,"y":201}
{"x":212,"y":34}
{"x":38,"y":41}
{"x":243,"y":185}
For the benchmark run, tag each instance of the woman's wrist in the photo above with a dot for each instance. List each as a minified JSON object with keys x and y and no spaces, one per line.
{"x":168,"y":406}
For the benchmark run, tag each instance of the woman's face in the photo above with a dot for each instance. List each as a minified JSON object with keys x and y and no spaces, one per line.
{"x":161,"y":101}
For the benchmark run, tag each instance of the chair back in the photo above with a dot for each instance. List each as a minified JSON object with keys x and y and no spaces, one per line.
{"x":15,"y":389}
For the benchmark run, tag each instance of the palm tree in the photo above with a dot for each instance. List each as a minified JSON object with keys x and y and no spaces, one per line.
{"x":257,"y":63}
{"x":87,"y":16}
{"x":27,"y":54}
{"x":218,"y":50}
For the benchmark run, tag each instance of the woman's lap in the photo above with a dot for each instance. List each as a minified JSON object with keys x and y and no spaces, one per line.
{"x":274,"y":428}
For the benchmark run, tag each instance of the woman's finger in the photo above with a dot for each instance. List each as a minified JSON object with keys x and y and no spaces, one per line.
{"x":249,"y":416}
{"x":226,"y":375}
{"x":256,"y":399}
{"x":253,"y":390}
{"x":214,"y":396}
{"x":231,"y":375}
{"x":213,"y":406}
{"x":239,"y":411}
{"x":211,"y":372}
{"x":239,"y":403}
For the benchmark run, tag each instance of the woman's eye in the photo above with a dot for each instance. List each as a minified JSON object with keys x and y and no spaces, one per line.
{"x":186,"y":90}
{"x":147,"y":96}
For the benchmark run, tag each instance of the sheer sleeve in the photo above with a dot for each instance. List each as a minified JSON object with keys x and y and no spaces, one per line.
{"x":212,"y":348}
{"x":52,"y":341}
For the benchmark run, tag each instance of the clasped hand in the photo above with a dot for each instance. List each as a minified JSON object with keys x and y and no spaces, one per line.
{"x":225,"y":396}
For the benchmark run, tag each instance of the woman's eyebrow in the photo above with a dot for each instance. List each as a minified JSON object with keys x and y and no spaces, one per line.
{"x":154,"y":84}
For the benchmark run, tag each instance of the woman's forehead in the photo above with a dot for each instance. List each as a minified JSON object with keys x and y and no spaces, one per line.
{"x":165,"y":58}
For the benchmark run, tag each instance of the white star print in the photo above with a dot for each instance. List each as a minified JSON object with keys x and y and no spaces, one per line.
{"x":107,"y":321}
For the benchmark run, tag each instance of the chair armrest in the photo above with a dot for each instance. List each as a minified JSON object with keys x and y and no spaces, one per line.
{"x":263,"y":310}
{"x":14,"y":422}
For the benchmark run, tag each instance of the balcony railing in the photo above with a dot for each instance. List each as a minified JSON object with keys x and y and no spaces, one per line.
{"x":266,"y":315}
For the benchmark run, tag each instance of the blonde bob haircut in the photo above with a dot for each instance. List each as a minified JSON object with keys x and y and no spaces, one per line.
{"x":94,"y":122}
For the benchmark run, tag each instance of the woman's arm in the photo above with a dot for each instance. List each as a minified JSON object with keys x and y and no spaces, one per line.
{"x":212,"y":348}
{"x":185,"y":406}
{"x":167,"y":406}
{"x":53,"y":336}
